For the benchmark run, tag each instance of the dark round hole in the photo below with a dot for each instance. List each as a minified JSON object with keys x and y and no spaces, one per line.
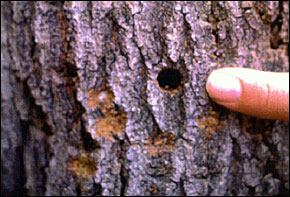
{"x":169,"y":79}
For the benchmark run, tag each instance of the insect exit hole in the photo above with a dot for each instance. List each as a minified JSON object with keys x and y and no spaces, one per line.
{"x":169,"y":79}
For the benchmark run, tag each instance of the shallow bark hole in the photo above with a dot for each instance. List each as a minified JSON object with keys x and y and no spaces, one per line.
{"x":169,"y":79}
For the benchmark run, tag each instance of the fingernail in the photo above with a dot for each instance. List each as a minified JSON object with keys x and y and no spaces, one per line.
{"x":223,"y":88}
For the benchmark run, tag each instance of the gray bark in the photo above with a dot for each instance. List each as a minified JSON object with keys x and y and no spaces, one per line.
{"x":82,"y":111}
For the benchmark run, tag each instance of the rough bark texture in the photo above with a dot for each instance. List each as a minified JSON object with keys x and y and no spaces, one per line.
{"x":82,"y":112}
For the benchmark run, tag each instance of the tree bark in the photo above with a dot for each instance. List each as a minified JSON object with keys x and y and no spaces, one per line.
{"x":87,"y":107}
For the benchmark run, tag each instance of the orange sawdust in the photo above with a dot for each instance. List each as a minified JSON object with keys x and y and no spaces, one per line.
{"x":159,"y":144}
{"x":102,"y":99}
{"x":111,"y":125}
{"x":210,"y":123}
{"x":83,"y":166}
{"x":246,"y":125}
{"x":113,"y":122}
{"x":154,"y":190}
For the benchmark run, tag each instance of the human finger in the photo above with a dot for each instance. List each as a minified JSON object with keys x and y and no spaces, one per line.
{"x":256,"y":93}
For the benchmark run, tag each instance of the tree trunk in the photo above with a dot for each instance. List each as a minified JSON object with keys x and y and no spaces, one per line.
{"x":108,"y":98}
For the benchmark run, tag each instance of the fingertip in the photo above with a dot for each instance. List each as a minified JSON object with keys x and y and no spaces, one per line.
{"x":257,"y":93}
{"x":223,"y":87}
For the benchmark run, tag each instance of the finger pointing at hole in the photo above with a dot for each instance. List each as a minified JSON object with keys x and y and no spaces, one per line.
{"x":257,"y":93}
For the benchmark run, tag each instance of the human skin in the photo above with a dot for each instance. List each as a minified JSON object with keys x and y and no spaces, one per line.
{"x":257,"y":93}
